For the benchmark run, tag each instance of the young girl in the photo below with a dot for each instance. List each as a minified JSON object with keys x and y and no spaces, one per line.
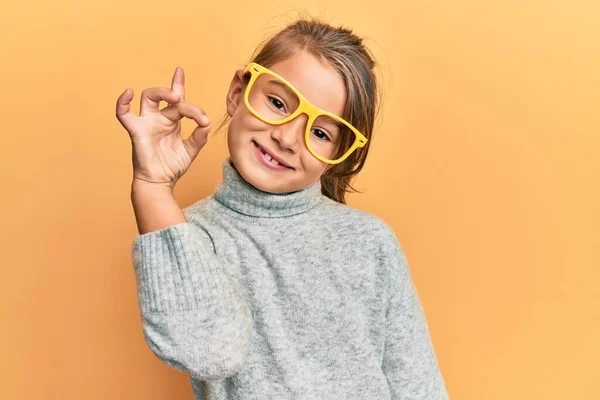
{"x":273,"y":288}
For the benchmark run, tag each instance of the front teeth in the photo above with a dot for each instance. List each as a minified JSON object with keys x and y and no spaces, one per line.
{"x":268,"y":157}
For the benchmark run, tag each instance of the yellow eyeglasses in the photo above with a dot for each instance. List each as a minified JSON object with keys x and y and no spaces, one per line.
{"x":275,"y":101}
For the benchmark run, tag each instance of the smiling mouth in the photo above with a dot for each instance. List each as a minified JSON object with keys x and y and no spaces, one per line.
{"x":270,"y":158}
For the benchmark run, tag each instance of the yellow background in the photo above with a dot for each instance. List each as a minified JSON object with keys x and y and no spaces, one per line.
{"x":486,"y":164}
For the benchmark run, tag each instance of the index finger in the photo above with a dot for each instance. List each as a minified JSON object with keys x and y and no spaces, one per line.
{"x":152,"y":97}
{"x":178,"y":83}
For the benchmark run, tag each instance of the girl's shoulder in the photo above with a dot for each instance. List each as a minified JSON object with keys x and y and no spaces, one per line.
{"x":362,"y":223}
{"x":370,"y":233}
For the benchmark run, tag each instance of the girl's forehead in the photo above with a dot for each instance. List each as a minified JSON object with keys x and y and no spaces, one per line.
{"x":318,"y":82}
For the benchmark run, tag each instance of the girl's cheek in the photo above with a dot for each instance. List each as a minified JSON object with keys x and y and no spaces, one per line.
{"x":245,"y":120}
{"x":255,"y":125}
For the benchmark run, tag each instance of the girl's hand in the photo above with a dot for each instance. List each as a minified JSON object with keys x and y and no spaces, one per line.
{"x":159,"y":154}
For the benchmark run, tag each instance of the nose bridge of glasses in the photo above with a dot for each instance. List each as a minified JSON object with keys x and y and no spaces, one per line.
{"x":305,"y":108}
{"x":310,"y":110}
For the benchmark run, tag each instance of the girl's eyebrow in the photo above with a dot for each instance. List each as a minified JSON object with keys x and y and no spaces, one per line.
{"x":284,"y":86}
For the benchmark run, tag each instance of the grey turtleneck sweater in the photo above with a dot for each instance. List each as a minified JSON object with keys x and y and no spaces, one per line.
{"x":284,"y":296}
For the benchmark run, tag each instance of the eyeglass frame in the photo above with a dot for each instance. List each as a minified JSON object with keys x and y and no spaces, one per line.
{"x":304,"y":107}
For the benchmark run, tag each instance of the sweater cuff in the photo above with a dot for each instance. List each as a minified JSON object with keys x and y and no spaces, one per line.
{"x":177,"y":271}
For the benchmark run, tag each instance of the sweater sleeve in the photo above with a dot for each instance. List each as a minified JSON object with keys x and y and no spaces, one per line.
{"x":194,"y":317}
{"x":409,"y":361}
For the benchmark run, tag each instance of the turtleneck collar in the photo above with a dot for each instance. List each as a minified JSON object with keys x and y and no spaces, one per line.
{"x":238,"y":195}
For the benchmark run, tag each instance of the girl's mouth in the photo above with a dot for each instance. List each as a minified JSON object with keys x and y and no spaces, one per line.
{"x":268,"y":160}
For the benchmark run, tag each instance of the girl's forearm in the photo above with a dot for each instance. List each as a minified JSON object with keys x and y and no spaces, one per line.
{"x":155,"y":206}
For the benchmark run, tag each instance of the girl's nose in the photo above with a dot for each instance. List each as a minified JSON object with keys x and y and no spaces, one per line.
{"x":290,"y":135}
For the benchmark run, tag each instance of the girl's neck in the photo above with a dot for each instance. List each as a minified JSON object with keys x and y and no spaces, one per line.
{"x":240,"y":196}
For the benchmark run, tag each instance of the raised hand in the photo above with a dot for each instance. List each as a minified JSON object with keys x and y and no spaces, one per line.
{"x":159,"y":154}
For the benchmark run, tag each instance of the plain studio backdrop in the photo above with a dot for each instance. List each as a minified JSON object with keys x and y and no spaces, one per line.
{"x":485,"y":163}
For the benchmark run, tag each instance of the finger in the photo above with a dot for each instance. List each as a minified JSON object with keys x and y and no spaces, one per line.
{"x":152,"y":97}
{"x":123,"y":112}
{"x":178,"y":83}
{"x":197,"y":140}
{"x":199,"y":136}
{"x":182,"y":109}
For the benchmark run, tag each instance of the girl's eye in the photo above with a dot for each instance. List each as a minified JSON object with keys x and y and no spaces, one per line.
{"x":320,"y":134}
{"x":277,"y":103}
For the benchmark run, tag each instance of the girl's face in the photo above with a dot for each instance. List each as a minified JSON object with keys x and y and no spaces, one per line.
{"x":248,"y":137}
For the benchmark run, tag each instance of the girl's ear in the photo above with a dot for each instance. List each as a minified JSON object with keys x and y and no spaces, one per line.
{"x":234,"y":95}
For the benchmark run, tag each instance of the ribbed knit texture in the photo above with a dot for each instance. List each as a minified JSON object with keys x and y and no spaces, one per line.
{"x":284,"y":296}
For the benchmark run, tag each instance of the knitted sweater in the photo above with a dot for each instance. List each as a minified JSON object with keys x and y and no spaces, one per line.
{"x":284,"y":296}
